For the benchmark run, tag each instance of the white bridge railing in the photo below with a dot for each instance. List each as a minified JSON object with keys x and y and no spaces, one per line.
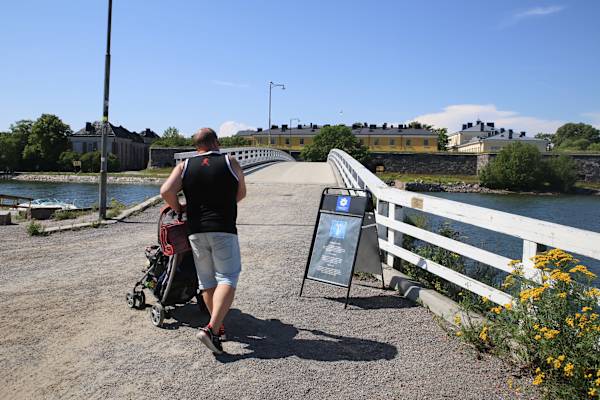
{"x":246,"y":156}
{"x":533,"y":232}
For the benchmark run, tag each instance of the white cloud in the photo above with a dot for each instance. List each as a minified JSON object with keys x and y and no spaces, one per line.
{"x":452,"y":117}
{"x":230,"y":128}
{"x":593,"y":118}
{"x":531,"y":13}
{"x":229,"y":84}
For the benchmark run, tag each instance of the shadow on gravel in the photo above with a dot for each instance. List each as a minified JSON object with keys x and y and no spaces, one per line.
{"x":375,"y":302}
{"x":272,"y":339}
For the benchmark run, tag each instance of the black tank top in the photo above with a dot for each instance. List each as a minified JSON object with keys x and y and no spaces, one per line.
{"x":210,"y":187}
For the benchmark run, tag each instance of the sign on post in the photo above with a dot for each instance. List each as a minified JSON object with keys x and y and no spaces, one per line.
{"x":345,"y":232}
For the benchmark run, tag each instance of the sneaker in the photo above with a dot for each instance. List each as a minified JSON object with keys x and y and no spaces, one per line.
{"x":222,"y":334}
{"x":210,"y":340}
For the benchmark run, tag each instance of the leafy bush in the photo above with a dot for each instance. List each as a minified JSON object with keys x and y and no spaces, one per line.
{"x":67,"y":214}
{"x":172,"y":138}
{"x":234,"y":141}
{"x":594,"y":147}
{"x":335,"y":137}
{"x":65,"y":161}
{"x":90,"y":162}
{"x":551,"y":329}
{"x":520,"y":166}
{"x":561,"y":173}
{"x":35,"y":229}
{"x":115,"y":208}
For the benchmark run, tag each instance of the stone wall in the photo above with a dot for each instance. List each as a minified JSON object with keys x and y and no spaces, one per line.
{"x":161,"y":157}
{"x":426,"y":163}
{"x":466,"y":164}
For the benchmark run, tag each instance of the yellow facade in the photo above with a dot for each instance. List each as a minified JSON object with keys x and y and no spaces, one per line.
{"x":379,"y":144}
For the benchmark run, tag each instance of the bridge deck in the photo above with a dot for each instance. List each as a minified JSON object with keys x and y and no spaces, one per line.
{"x":67,"y":333}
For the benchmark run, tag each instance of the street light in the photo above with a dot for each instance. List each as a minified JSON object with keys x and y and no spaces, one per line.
{"x":103,"y":143}
{"x":271,"y":86}
{"x":290,"y":134}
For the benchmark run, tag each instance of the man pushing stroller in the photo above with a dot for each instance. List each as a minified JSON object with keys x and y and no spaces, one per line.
{"x":213,"y":184}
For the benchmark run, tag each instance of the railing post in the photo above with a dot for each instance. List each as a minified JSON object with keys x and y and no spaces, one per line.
{"x":530,"y":250}
{"x":391,"y":233}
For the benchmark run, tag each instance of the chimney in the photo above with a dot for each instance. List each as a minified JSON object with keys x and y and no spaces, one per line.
{"x":490,"y":124}
{"x":311,"y":124}
{"x":510,"y":133}
{"x":284,"y":128}
{"x":274,"y":127}
{"x":88,"y":127}
{"x":481,"y":126}
{"x":469,"y":124}
{"x":259,"y":130}
{"x":522,"y":134}
{"x":365,"y":125}
{"x":384,"y":126}
{"x":372,"y":126}
{"x":464,"y":127}
{"x":391,"y":126}
{"x":299,"y":126}
{"x":502,"y":130}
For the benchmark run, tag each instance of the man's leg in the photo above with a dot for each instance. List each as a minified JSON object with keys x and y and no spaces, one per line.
{"x":207,"y":296}
{"x":221,"y":302}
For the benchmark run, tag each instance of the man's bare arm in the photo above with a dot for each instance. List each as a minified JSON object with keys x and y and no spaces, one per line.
{"x":171,"y":187}
{"x":241,"y":193}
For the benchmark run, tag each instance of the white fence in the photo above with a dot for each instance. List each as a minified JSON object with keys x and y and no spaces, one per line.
{"x":532,"y":232}
{"x":246,"y":156}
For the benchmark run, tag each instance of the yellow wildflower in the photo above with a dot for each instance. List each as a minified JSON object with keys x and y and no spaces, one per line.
{"x":459,"y":333}
{"x":549,"y":360}
{"x":562,"y":295}
{"x":558,"y":275}
{"x":496,"y":310}
{"x":593,"y":292}
{"x":592,"y":392}
{"x":457,"y":319}
{"x":561,"y":358}
{"x":570,"y":322}
{"x":569,"y":369}
{"x":539,"y":378}
{"x":586,"y":309}
{"x":485,"y":299}
{"x":536,"y":327}
{"x":556,"y":363}
{"x":583,"y":270}
{"x":551,"y":334}
{"x":597,"y":382}
{"x":538,"y":337}
{"x":483,"y":334}
{"x":593,"y":317}
{"x":508,"y":306}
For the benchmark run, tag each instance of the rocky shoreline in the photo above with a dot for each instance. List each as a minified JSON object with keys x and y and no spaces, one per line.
{"x":463,"y":187}
{"x":71,"y":178}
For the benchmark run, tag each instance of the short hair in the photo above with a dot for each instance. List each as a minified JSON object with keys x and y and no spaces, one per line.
{"x":205,"y":137}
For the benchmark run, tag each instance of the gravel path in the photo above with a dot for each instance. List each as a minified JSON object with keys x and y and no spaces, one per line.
{"x":67,"y":333}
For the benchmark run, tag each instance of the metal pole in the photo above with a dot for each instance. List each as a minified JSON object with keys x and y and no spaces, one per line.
{"x":105,"y":125}
{"x":269,"y":126}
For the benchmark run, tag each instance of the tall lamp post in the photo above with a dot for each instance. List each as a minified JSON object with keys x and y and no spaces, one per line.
{"x":103,"y":144}
{"x":271,"y":86}
{"x":290,"y":134}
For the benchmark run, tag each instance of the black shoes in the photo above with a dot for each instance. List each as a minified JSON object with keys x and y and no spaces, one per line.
{"x":210,"y":340}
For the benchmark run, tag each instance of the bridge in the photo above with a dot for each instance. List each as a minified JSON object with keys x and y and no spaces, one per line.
{"x":67,"y":333}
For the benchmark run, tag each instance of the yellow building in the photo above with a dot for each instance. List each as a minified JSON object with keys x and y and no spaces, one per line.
{"x":379,"y":139}
{"x":486,"y":138}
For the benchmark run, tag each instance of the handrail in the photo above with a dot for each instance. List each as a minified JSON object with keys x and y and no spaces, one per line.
{"x":246,"y":156}
{"x":533,"y":232}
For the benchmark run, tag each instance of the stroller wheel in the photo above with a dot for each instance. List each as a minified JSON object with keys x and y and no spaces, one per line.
{"x":140,"y":300}
{"x":157,"y":314}
{"x":130,"y":299}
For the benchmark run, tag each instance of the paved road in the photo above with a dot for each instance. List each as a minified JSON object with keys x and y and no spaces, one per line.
{"x":67,"y":333}
{"x":302,"y":173}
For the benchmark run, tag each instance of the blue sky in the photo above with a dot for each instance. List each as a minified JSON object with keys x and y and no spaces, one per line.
{"x":528,"y":65}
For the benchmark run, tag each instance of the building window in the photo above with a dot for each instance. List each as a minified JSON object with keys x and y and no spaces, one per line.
{"x":408,"y":142}
{"x":362,"y":141}
{"x":376,"y":141}
{"x":301,"y":141}
{"x":392,"y":142}
{"x":426,"y":142}
{"x":94,"y":146}
{"x":84,"y":146}
{"x":287,"y":140}
{"x":272,"y":140}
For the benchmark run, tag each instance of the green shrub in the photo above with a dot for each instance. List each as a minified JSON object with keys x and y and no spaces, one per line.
{"x":551,"y":329}
{"x":115,"y":208}
{"x":90,"y":162}
{"x":561,"y":173}
{"x":595,"y":147}
{"x":35,"y":229}
{"x":67,"y":214}
{"x":518,"y":166}
{"x":334,"y":137}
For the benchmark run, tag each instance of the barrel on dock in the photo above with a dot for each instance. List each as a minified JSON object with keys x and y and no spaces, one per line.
{"x":5,"y":218}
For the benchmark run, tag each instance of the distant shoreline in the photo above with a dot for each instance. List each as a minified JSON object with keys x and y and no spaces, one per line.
{"x":73,"y":178}
{"x":461,"y":187}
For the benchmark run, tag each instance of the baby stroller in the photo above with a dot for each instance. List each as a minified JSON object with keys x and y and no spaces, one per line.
{"x":170,"y":274}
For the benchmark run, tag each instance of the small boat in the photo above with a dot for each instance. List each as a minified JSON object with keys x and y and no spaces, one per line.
{"x":48,"y":203}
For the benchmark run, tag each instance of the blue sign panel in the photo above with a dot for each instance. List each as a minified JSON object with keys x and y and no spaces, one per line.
{"x":338,"y":229}
{"x":343,"y":204}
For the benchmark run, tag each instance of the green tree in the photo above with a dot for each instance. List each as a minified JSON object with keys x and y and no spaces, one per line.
{"x":518,"y":166}
{"x":595,"y":147}
{"x":574,"y":132}
{"x":10,"y":157}
{"x":234,"y":141}
{"x":172,"y":138}
{"x":48,"y":139}
{"x":544,"y":136}
{"x":335,"y":137}
{"x":442,"y":138}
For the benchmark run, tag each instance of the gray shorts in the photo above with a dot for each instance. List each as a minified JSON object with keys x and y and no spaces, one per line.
{"x":217,"y":258}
